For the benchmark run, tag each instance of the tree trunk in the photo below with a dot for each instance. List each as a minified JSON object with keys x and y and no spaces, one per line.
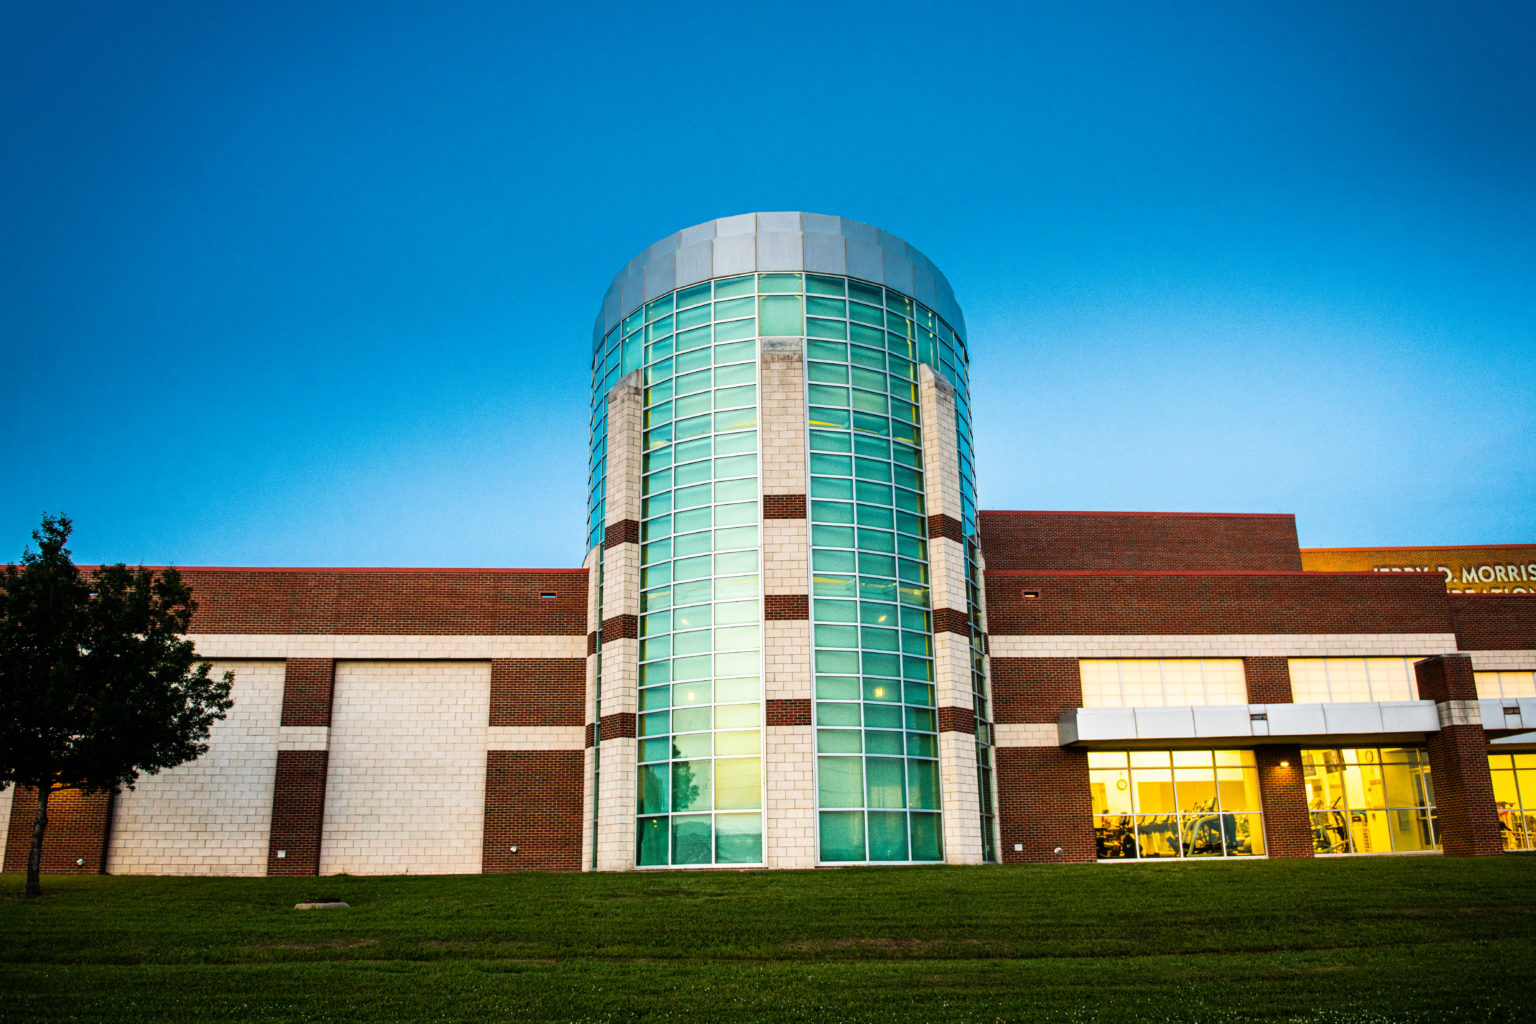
{"x":35,"y":855}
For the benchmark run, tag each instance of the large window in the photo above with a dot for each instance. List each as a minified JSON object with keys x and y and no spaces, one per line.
{"x":1506,"y":684}
{"x":1183,"y":803}
{"x":1346,"y":680}
{"x":1370,"y":800}
{"x":1514,"y":794}
{"x":1156,"y":682}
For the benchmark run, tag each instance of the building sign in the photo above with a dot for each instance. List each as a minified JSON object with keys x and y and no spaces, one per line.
{"x":1505,"y":569}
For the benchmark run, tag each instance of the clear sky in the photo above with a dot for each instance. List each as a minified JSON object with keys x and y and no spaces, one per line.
{"x":313,"y":283}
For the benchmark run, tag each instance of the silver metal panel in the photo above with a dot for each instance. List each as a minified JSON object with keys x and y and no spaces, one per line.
{"x":864,"y":260}
{"x":821,"y":224}
{"x":1223,"y":720}
{"x":1354,"y":717}
{"x":1409,"y":716}
{"x":858,"y":229}
{"x":666,"y":246}
{"x":735,"y":254}
{"x":1106,"y":724}
{"x":612,"y":304}
{"x":633,"y":288}
{"x":923,"y":288}
{"x":780,"y":221}
{"x":825,"y":254}
{"x":1066,"y":729}
{"x":891,"y":243}
{"x":780,"y":250}
{"x":1165,"y":723}
{"x":695,"y":263}
{"x":660,"y":275}
{"x":1296,"y":719}
{"x":698,"y":233}
{"x":741,"y":224}
{"x":898,"y":271}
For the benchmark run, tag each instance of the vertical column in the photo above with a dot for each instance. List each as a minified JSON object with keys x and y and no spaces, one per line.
{"x":789,"y":764}
{"x":298,"y":787}
{"x":960,"y":795}
{"x":620,"y":651}
{"x":1268,"y":680}
{"x":1282,"y":793}
{"x":1465,"y":815}
{"x":594,"y":566}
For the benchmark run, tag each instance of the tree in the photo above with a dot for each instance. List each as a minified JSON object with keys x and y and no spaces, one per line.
{"x":97,"y":680}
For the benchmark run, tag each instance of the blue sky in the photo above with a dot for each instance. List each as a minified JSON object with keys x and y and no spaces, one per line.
{"x":313,"y":283}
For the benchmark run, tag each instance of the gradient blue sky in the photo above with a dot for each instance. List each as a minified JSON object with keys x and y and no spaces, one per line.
{"x":313,"y":283}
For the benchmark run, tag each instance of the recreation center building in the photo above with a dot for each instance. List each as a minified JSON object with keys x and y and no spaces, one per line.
{"x":796,"y":641}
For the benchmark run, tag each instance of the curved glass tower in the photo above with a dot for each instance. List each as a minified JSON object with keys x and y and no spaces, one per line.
{"x":788,"y":658}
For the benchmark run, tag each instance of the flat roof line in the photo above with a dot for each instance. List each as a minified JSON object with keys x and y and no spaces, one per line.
{"x":1189,"y":515}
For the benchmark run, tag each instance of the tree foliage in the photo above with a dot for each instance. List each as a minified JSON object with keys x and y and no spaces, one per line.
{"x":98,"y":682}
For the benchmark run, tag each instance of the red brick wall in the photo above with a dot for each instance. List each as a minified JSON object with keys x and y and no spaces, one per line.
{"x":1494,"y":622}
{"x":953,"y":719}
{"x":1035,"y":690}
{"x":1283,"y":794}
{"x":298,"y":812}
{"x":1194,"y":603}
{"x":77,"y":830}
{"x":398,"y":601}
{"x":1043,"y":803}
{"x":1138,"y":540}
{"x":1445,"y":677}
{"x":307,"y":687}
{"x":951,"y":620}
{"x":1465,"y":816}
{"x":788,"y":711}
{"x":786,"y":607}
{"x":538,"y":691}
{"x":1269,"y":681}
{"x":532,"y":802}
{"x":783,"y":506}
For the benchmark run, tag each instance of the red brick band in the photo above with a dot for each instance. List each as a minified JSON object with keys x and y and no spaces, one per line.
{"x":298,"y":812}
{"x":626,"y":531}
{"x":786,"y":607}
{"x":618,"y":725}
{"x":307,"y":688}
{"x":537,"y":691}
{"x":948,"y":527}
{"x":783,"y":506}
{"x":1446,"y":677}
{"x":957,"y":720}
{"x":532,"y":811}
{"x":590,"y":730}
{"x":77,"y":830}
{"x":788,"y":711}
{"x":951,"y":620}
{"x":592,"y":644}
{"x":621,"y":627}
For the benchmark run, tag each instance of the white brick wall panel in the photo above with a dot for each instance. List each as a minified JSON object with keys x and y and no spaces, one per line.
{"x":304,"y":737}
{"x":785,"y":568}
{"x":960,"y":798}
{"x":787,"y":659}
{"x":1224,"y":645}
{"x":535,"y":737}
{"x":211,"y":816}
{"x":941,"y":461}
{"x":946,"y":561}
{"x":623,"y":468}
{"x":952,"y":670}
{"x":1025,"y":735}
{"x":789,"y":827}
{"x":1506,"y":661}
{"x":586,"y":810}
{"x":6,"y":795}
{"x":405,"y":792}
{"x":621,"y":676}
{"x":379,"y":647}
{"x":782,"y":373}
{"x":616,"y":806}
{"x":621,"y":580}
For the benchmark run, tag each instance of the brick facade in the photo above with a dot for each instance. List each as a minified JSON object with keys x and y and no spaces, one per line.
{"x":947,"y":527}
{"x":533,"y":803}
{"x":77,"y":831}
{"x":957,"y":720}
{"x":1034,"y":690}
{"x":1138,"y":540}
{"x":951,"y":620}
{"x":1073,"y":603}
{"x":537,"y":691}
{"x":307,"y":685}
{"x":298,"y":812}
{"x":1283,"y":794}
{"x":1269,"y":680}
{"x":788,"y":711}
{"x":1043,"y":803}
{"x":786,"y":607}
{"x":1465,"y":816}
{"x":783,"y":506}
{"x":1494,"y":622}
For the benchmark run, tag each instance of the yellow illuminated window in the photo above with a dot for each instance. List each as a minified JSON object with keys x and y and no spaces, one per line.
{"x":1506,"y":684}
{"x":1346,"y":680}
{"x":1162,"y":682}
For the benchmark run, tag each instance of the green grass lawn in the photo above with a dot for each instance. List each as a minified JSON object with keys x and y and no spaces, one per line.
{"x":1359,"y":940}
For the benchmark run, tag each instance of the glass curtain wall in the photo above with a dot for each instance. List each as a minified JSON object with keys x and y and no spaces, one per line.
{"x":1514,"y":794}
{"x":1370,"y":800}
{"x":1182,"y":803}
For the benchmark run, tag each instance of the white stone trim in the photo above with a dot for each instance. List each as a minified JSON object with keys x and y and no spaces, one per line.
{"x":1502,"y":661}
{"x":304,"y":737}
{"x":384,"y":646}
{"x":535,"y":737}
{"x":1026,"y":735}
{"x":1223,"y":645}
{"x":1459,"y":712}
